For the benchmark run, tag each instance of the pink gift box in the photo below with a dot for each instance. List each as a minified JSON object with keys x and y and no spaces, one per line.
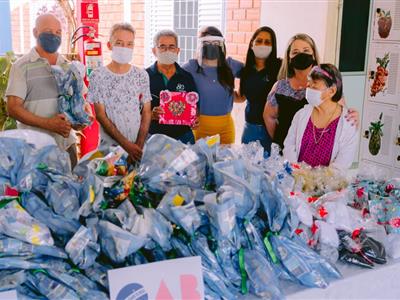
{"x":179,"y":107}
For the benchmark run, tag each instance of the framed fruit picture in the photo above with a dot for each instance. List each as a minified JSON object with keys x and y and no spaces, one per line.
{"x":386,"y":20}
{"x":384,"y":73}
{"x":180,"y":108}
{"x":378,"y":133}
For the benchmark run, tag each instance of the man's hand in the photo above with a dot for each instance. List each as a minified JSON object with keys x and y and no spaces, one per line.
{"x":59,"y":124}
{"x":156,"y":112}
{"x":89,"y":111}
{"x":134,"y":151}
{"x":78,"y":127}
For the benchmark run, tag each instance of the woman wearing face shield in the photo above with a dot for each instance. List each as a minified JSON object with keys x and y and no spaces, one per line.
{"x":256,"y":80}
{"x":214,"y":75}
{"x":319,"y":134}
{"x":288,"y":95}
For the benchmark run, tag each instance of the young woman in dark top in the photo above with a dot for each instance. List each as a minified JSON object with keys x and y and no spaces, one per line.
{"x":256,"y":80}
{"x":288,"y":95}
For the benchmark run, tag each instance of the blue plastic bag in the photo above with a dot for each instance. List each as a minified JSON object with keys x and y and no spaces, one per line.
{"x":51,"y":288}
{"x":243,"y":181}
{"x":263,"y":281}
{"x":308,"y":267}
{"x":70,"y":89}
{"x":83,"y":248}
{"x":178,"y":206}
{"x":11,"y":279}
{"x":10,"y":246}
{"x":17,"y":223}
{"x":273,"y":202}
{"x":117,"y":243}
{"x":50,"y":158}
{"x":63,"y":227}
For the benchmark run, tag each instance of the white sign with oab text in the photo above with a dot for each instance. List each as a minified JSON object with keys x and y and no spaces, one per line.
{"x":180,"y":278}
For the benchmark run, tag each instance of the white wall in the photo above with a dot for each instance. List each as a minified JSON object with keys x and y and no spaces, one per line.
{"x":317,"y":18}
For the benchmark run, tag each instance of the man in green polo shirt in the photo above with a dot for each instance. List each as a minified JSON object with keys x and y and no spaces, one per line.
{"x":32,"y":90}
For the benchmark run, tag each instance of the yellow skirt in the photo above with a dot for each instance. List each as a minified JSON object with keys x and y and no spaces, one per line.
{"x":212,"y":125}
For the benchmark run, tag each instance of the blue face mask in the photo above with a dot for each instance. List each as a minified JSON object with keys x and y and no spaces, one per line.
{"x":49,"y":42}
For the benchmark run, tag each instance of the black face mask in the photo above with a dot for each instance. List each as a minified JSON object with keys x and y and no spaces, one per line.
{"x":302,"y":61}
{"x":210,"y":51}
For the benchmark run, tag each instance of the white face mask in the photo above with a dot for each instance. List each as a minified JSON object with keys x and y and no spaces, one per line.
{"x":262,"y":52}
{"x":167,"y":57}
{"x":313,"y":97}
{"x":121,"y":55}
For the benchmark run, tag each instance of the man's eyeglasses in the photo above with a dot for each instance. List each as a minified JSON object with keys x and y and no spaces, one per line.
{"x":164,"y":48}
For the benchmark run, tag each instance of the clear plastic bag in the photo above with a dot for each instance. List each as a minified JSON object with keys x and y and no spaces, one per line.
{"x":31,"y":178}
{"x":216,"y":284}
{"x":98,"y":273}
{"x":274,"y":205}
{"x":261,"y":276}
{"x":11,"y":279}
{"x":178,"y":206}
{"x":158,"y":153}
{"x":243,"y":182}
{"x":70,"y":89}
{"x":14,"y":247}
{"x":63,"y":227}
{"x":17,"y":223}
{"x":207,"y":149}
{"x":63,"y":187}
{"x":85,"y":288}
{"x":12,"y":153}
{"x":82,"y":248}
{"x":51,"y":288}
{"x":117,"y":243}
{"x":303,"y":263}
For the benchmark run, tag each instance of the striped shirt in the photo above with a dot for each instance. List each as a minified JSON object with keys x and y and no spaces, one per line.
{"x":32,"y":81}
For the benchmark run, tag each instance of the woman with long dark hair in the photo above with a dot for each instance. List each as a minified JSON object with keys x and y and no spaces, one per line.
{"x":257,"y":78}
{"x":214,"y":76}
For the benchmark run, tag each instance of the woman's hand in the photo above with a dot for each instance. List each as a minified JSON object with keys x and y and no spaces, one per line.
{"x":353,"y":116}
{"x":238,"y":98}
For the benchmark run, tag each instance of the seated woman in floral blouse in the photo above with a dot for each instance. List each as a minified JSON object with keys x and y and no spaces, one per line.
{"x":319,"y":134}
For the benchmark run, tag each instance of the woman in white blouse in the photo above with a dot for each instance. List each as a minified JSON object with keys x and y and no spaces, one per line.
{"x":319,"y":134}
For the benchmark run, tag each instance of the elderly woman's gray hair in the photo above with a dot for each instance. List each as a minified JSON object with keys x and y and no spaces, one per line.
{"x":165,"y":32}
{"x":121,"y":26}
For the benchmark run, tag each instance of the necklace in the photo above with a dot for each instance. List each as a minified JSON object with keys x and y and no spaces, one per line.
{"x":324,"y":129}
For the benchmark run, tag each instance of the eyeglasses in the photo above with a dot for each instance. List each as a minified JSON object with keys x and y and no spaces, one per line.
{"x":164,"y":48}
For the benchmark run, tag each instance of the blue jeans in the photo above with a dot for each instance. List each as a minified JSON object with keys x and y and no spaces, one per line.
{"x":254,"y":132}
{"x":187,"y":138}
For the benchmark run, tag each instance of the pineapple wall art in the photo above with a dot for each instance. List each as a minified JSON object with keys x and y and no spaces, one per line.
{"x":384,"y":22}
{"x":375,"y":134}
{"x":380,"y":75}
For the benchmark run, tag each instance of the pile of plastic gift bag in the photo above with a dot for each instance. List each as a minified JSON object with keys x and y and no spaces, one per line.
{"x":245,"y":216}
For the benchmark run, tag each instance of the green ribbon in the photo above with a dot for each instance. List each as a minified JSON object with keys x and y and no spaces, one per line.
{"x":5,"y":201}
{"x":243,"y":273}
{"x":42,"y":166}
{"x":269,"y":248}
{"x":104,"y":205}
{"x":35,"y":271}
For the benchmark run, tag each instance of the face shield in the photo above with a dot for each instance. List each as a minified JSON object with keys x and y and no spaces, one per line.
{"x":210,"y":48}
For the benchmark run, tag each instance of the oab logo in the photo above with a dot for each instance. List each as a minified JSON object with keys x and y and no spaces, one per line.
{"x":133,"y":291}
{"x":188,"y":290}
